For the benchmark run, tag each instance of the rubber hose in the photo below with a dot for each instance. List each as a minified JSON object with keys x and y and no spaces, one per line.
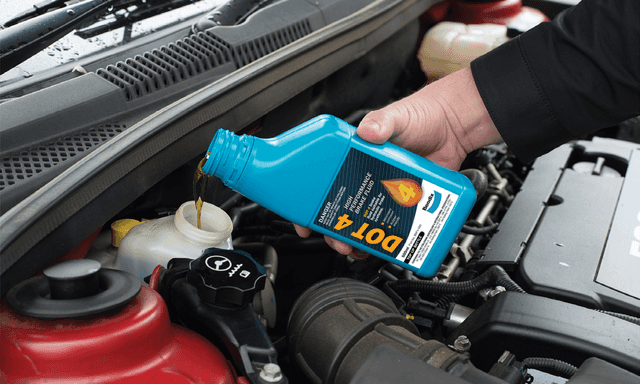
{"x":233,"y":200}
{"x":470,"y":273}
{"x":282,"y":226}
{"x":478,"y":179}
{"x":469,"y":230}
{"x":508,"y":172}
{"x":551,"y":366}
{"x":493,"y":276}
{"x":336,"y":324}
{"x":446,"y":300}
{"x":237,"y":212}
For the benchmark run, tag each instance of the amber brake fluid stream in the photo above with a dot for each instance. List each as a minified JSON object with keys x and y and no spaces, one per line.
{"x":199,"y":187}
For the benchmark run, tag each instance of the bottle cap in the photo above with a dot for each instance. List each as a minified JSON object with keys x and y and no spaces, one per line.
{"x":120,"y":228}
{"x":226,"y":277}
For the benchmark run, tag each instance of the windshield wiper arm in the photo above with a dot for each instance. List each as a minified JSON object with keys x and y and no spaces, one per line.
{"x":23,"y":40}
{"x":38,"y":9}
{"x":124,"y":15}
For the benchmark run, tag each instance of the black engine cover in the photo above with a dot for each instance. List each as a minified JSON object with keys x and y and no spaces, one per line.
{"x":534,"y":326}
{"x":573,"y":231}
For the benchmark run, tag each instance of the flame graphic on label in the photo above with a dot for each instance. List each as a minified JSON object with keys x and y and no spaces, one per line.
{"x":405,"y":192}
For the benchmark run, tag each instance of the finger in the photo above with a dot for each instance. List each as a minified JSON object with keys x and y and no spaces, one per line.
{"x":302,"y":231}
{"x":377,"y":126}
{"x":339,"y":246}
{"x":358,"y":254}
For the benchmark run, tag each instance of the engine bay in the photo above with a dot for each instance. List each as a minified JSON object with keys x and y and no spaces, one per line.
{"x":540,"y":285}
{"x":323,"y":317}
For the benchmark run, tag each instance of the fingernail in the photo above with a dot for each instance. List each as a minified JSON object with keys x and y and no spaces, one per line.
{"x":359,"y":255}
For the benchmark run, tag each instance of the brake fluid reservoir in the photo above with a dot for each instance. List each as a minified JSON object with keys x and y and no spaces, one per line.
{"x":155,"y":242}
{"x":381,"y":199}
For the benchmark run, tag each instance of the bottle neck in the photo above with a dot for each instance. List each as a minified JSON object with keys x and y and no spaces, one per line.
{"x":227,"y":156}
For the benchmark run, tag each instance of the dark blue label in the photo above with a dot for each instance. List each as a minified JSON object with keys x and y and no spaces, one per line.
{"x":373,"y":203}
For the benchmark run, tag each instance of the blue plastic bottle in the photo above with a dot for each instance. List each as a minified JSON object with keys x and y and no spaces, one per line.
{"x":381,"y":199}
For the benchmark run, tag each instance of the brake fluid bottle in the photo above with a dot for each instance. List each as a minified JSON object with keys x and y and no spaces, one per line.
{"x":381,"y":199}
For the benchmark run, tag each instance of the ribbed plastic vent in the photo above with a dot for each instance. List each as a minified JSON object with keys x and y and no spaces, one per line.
{"x":262,"y":46}
{"x":25,"y":164}
{"x":192,"y":56}
{"x":167,"y":65}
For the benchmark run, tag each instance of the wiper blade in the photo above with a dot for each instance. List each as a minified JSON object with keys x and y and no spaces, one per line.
{"x":38,"y":9}
{"x":23,"y":40}
{"x":125,"y":15}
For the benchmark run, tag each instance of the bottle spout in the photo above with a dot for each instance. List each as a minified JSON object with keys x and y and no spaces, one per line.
{"x":228,"y":154}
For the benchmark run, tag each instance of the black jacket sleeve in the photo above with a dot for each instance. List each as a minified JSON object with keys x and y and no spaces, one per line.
{"x":565,"y":78}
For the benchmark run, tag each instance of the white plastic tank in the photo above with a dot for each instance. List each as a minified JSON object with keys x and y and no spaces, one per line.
{"x":450,"y":46}
{"x":155,"y":242}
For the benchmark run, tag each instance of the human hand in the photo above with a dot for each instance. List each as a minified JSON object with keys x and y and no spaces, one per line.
{"x":443,"y":122}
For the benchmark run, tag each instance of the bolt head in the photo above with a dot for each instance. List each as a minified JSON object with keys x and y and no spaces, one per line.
{"x":462,"y":344}
{"x":271,"y":373}
{"x":496,"y":291}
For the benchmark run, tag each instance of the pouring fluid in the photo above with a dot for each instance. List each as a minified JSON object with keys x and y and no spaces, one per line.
{"x":200,"y":180}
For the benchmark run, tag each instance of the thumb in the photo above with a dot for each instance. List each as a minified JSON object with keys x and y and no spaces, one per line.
{"x":377,"y":126}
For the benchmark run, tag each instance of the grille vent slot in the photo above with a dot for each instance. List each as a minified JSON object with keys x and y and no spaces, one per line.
{"x":262,"y":46}
{"x":167,"y":65}
{"x":192,"y":56}
{"x":25,"y":164}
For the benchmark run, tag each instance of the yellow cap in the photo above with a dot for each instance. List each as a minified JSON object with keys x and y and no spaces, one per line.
{"x":120,"y":228}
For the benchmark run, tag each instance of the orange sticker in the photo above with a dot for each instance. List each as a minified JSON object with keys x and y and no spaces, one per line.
{"x":405,"y":192}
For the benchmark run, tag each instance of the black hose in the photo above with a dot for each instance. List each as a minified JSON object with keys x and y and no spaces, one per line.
{"x":287,"y":243}
{"x":233,"y":200}
{"x":393,"y":295}
{"x":446,"y":300}
{"x":469,"y":230}
{"x":551,"y":366}
{"x":508,"y":172}
{"x":631,"y":319}
{"x":237,"y":212}
{"x":470,"y":273}
{"x":479,"y":180}
{"x":493,"y":276}
{"x":282,"y":226}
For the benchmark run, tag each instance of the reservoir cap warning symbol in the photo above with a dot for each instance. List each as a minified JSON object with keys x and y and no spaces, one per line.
{"x":218,"y":263}
{"x":406,"y":192}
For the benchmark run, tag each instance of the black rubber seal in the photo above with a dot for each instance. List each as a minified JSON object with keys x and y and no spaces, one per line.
{"x":33,"y":297}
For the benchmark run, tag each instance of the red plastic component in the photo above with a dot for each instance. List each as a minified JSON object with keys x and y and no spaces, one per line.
{"x":495,"y":12}
{"x":136,"y":344}
{"x":154,"y":279}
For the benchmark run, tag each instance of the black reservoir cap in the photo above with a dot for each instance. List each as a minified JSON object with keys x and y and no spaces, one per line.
{"x":73,"y":289}
{"x":226,"y":277}
{"x":73,"y":279}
